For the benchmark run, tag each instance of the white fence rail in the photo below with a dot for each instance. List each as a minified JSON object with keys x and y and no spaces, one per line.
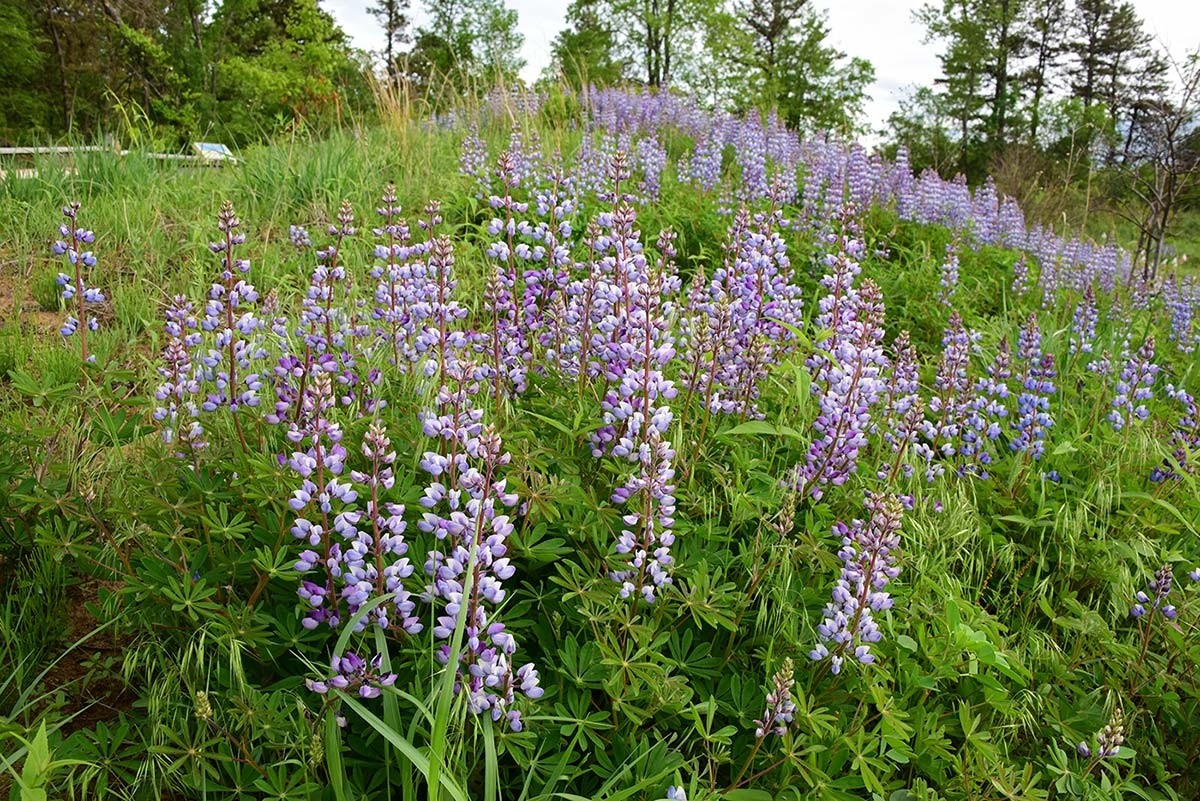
{"x":209,"y":154}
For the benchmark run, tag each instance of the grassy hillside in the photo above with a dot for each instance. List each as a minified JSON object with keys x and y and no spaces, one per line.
{"x":722,"y":464}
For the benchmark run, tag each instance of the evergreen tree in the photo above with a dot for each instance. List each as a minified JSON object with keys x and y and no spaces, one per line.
{"x":769,"y":23}
{"x":979,"y":83}
{"x":1115,"y":64}
{"x":658,"y":36}
{"x":783,"y":61}
{"x":393,"y":20}
{"x":1042,"y":37}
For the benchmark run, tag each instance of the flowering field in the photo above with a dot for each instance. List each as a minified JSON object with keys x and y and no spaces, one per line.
{"x":594,"y":448}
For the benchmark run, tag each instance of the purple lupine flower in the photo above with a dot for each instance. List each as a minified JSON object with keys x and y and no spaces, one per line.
{"x":903,"y":411}
{"x":74,"y":286}
{"x":549,"y":263}
{"x":780,"y":706}
{"x":631,"y":338}
{"x":525,"y":157}
{"x":750,"y":148}
{"x":652,"y":158}
{"x":949,"y":403}
{"x":1102,"y":366}
{"x":230,"y":318}
{"x":323,"y":326}
{"x":704,"y":166}
{"x":1033,"y":416}
{"x":440,"y":337}
{"x":462,"y":504}
{"x":986,"y":412}
{"x":1108,"y":741}
{"x":847,"y":386}
{"x":1083,"y":322}
{"x":1020,"y":281}
{"x":298,"y":236}
{"x":841,"y":270}
{"x":178,"y":411}
{"x":1154,"y":597}
{"x":324,"y":505}
{"x":647,"y":537}
{"x":374,"y":559}
{"x":636,"y":418}
{"x":868,"y":564}
{"x":1135,"y":386}
{"x":507,"y":344}
{"x":1184,"y":441}
{"x":473,"y":161}
{"x":324,"y":340}
{"x":1180,"y":300}
{"x":949,"y":281}
{"x":353,"y":674}
{"x":397,"y":288}
{"x":755,"y":280}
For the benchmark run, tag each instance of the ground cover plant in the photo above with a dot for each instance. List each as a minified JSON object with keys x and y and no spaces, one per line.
{"x":589,"y":446}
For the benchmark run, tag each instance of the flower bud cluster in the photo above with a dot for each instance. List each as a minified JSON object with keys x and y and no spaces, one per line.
{"x":780,"y":706}
{"x":1154,"y":597}
{"x":1108,"y":741}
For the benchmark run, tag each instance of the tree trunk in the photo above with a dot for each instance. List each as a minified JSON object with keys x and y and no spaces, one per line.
{"x":1000,"y":97}
{"x":68,"y":97}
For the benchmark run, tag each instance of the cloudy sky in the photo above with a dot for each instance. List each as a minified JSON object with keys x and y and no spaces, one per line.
{"x":881,"y":31}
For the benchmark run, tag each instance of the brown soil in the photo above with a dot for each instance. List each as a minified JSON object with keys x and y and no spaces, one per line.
{"x":90,"y":674}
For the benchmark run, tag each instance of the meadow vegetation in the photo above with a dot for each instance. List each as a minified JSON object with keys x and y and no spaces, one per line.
{"x":587,"y":445}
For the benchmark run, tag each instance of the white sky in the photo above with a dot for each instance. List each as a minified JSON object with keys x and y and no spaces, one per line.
{"x":881,"y":31}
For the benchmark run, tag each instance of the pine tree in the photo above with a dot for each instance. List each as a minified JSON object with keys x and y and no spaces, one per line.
{"x":393,"y":19}
{"x":1043,"y":39}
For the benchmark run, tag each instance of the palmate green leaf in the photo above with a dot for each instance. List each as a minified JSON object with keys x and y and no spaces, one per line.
{"x":535,"y":547}
{"x":39,"y":393}
{"x":712,"y":604}
{"x":580,"y":663}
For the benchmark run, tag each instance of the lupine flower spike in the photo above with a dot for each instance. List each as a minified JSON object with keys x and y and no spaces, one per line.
{"x":356,"y":675}
{"x":1135,"y":386}
{"x":1154,"y":597}
{"x":1108,"y":741}
{"x":780,"y":706}
{"x":73,"y":285}
{"x":868,"y":564}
